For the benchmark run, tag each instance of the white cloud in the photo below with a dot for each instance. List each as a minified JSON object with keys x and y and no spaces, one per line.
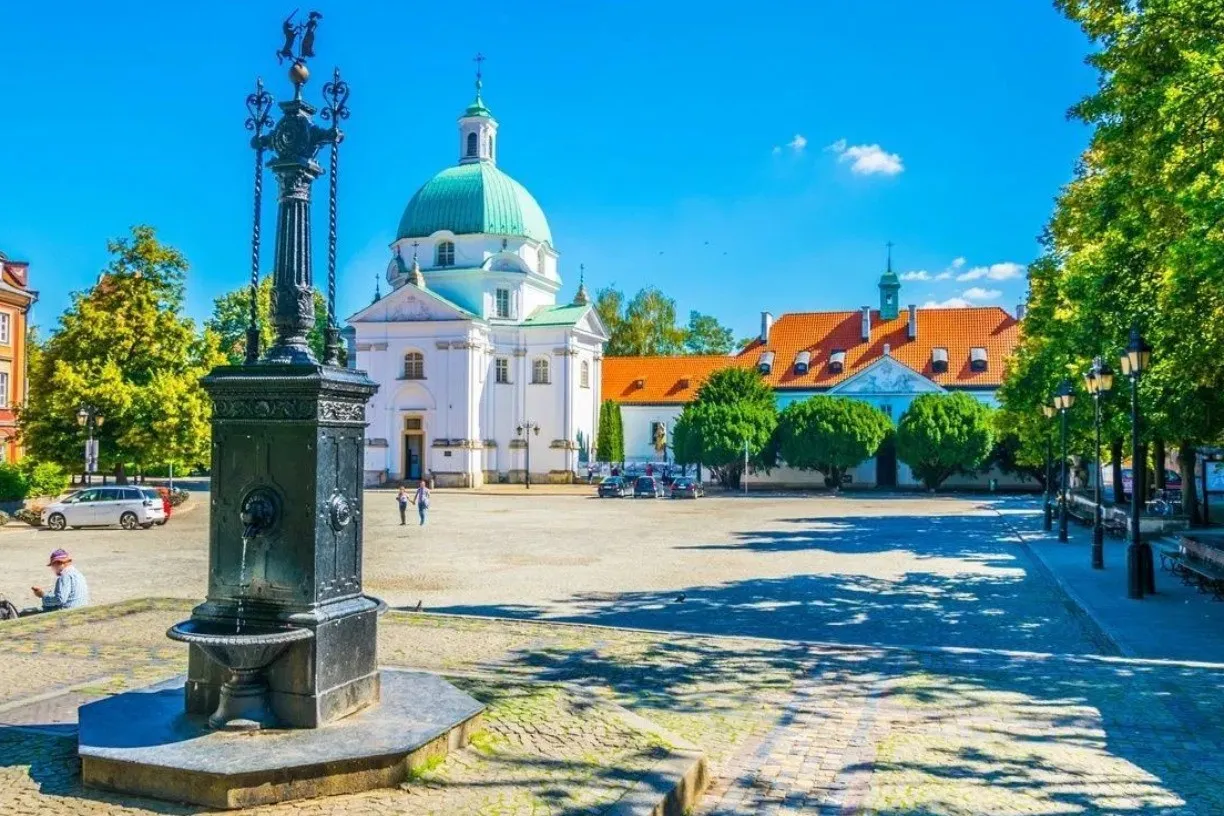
{"x":776,"y":150}
{"x":950,"y":303}
{"x":798,"y":143}
{"x":867,"y":160}
{"x":979,"y":294}
{"x":943,"y":275}
{"x":918,"y":275}
{"x":957,"y":263}
{"x":995,"y":272}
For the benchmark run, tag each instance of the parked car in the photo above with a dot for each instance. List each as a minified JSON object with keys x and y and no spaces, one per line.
{"x":129,"y":507}
{"x":1172,"y":479}
{"x":613,"y":487}
{"x":685,"y":487}
{"x":161,"y":494}
{"x":647,"y":487}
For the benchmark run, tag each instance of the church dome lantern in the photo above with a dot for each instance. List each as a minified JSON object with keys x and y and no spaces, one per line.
{"x":475,"y":197}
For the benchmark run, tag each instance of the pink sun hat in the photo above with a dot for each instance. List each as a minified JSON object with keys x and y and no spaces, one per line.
{"x":59,"y":556}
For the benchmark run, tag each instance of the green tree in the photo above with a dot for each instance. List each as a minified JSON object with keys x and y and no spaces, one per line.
{"x":705,"y":335}
{"x":830,"y":434}
{"x":733,"y":408}
{"x":232,"y":314}
{"x":943,"y":434}
{"x":1136,"y":237}
{"x":642,"y":327}
{"x":123,"y":348}
{"x":609,"y":438}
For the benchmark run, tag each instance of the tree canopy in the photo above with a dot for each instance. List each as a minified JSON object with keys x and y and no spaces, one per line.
{"x":830,"y":434}
{"x":124,"y":349}
{"x":1137,"y":238}
{"x":645,"y":326}
{"x":943,"y":434}
{"x":733,"y":408}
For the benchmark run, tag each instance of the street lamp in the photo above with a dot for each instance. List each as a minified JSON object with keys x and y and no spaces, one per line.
{"x":1140,"y":575}
{"x":525,"y":430}
{"x":1099,"y":380}
{"x":1064,"y":398}
{"x":1049,"y":412}
{"x":90,"y":419}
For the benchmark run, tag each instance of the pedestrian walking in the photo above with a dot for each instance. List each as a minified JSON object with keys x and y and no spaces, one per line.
{"x":421,"y":500}
{"x":402,"y":499}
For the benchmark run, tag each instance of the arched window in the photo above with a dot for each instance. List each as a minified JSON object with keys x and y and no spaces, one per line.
{"x":541,"y":256}
{"x":471,"y":144}
{"x":446,"y":253}
{"x":414,"y":366}
{"x":539,"y":372}
{"x":491,"y":146}
{"x":584,"y":375}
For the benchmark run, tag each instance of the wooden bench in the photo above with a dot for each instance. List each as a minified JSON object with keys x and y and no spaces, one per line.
{"x":1198,"y":565}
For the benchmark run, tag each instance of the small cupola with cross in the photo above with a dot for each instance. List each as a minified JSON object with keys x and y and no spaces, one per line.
{"x":477,"y":127}
{"x":890,"y":290}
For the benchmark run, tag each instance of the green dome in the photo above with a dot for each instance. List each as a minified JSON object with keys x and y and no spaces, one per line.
{"x":471,"y":199}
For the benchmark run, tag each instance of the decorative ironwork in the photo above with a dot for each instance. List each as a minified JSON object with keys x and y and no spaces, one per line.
{"x":336,"y":94}
{"x":258,"y":105}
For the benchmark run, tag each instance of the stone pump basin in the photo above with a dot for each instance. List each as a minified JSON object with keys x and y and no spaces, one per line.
{"x":243,"y":703}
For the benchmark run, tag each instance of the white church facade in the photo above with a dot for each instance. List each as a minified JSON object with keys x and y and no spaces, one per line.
{"x":479,"y":368}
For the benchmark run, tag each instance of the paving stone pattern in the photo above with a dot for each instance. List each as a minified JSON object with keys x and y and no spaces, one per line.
{"x":789,"y":727}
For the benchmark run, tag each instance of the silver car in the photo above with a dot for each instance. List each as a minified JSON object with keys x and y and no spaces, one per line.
{"x":129,"y":507}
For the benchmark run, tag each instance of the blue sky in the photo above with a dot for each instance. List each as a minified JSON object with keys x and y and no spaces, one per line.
{"x":742,"y":157}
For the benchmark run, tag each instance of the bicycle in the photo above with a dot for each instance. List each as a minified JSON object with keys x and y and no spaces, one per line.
{"x":1164,"y":505}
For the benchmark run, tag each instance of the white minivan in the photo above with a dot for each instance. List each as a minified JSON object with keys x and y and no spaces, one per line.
{"x":129,"y":507}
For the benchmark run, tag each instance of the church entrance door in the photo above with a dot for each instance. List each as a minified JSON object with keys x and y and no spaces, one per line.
{"x":414,"y":448}
{"x":886,"y":463}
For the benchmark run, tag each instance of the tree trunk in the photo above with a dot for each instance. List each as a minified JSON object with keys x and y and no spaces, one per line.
{"x":1115,"y":464}
{"x":1185,"y":461}
{"x":1158,"y":464}
{"x":120,"y":474}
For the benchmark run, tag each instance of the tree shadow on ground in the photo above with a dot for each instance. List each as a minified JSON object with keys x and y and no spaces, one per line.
{"x":903,"y":580}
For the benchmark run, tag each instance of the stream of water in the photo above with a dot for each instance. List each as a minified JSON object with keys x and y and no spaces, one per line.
{"x":241,"y":584}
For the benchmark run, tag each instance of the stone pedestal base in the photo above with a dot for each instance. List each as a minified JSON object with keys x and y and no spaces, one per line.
{"x":143,"y":743}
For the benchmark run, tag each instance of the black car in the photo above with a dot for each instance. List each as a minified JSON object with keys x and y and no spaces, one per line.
{"x":613,"y":487}
{"x":647,"y":487}
{"x":686,"y":488}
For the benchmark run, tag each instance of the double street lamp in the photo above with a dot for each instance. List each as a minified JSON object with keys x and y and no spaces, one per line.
{"x":1064,"y":398}
{"x":1140,"y":572}
{"x":1099,"y":381}
{"x":525,"y":430}
{"x":1049,"y":411}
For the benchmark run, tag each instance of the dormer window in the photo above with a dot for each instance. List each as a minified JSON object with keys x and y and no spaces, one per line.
{"x":939,"y":359}
{"x":977,"y":358}
{"x":471,"y":145}
{"x":765,"y":363}
{"x":446,"y":253}
{"x":802,"y":362}
{"x":837,"y":361}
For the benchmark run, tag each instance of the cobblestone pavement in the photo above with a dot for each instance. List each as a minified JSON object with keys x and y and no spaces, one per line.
{"x":868,"y":569}
{"x":789,"y":727}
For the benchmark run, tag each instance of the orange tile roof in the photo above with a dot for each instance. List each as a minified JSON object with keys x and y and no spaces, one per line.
{"x":957,"y":330}
{"x":650,"y":380}
{"x":820,"y":334}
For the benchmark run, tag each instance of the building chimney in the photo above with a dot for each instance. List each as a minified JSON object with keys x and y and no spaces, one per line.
{"x":911,"y":331}
{"x":866,"y":323}
{"x":1020,"y":310}
{"x":766,"y":326}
